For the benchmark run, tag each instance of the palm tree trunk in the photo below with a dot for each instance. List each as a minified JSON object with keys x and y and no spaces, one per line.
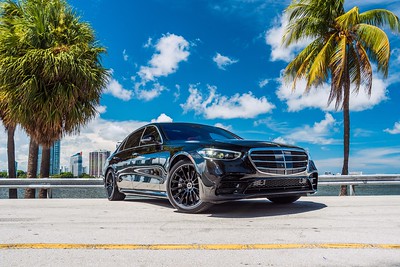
{"x":44,"y":169}
{"x":346,"y":135}
{"x":32,"y":166}
{"x":12,"y":172}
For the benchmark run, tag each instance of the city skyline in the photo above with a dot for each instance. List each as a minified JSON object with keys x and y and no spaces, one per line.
{"x":224,"y":68}
{"x":55,"y":150}
{"x":97,"y":159}
{"x":76,"y":167}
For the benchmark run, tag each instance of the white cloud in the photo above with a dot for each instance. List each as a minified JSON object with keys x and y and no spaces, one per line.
{"x":280,"y":140}
{"x":171,"y":50}
{"x":395,"y":130}
{"x":218,"y":106}
{"x":223,"y":126}
{"x":318,"y":97}
{"x":273,"y":125}
{"x":149,"y":43}
{"x":273,"y":38}
{"x":101,"y":109}
{"x":223,"y":61}
{"x":125,"y":55}
{"x":148,"y":94}
{"x":263,"y":83}
{"x":177,"y":93}
{"x":373,"y":160}
{"x":358,"y":132}
{"x":115,"y":89}
{"x":98,"y":134}
{"x":317,"y":134}
{"x":162,"y":118}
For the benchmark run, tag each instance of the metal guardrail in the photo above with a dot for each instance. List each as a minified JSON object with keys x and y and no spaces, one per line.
{"x":353,"y":180}
{"x":371,"y":179}
{"x":323,"y":180}
{"x":51,"y":183}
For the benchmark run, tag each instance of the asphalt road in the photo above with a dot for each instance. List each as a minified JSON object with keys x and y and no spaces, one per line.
{"x":315,"y":231}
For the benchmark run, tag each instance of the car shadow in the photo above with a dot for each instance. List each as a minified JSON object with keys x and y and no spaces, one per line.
{"x":249,"y":208}
{"x":261,"y":208}
{"x":148,"y":200}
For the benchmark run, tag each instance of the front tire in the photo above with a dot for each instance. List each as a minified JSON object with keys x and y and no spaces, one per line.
{"x":110,"y":184}
{"x":283,"y":200}
{"x":183,"y":188}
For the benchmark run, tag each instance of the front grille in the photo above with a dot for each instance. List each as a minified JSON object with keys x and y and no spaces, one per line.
{"x":279,"y":161}
{"x":281,"y":183}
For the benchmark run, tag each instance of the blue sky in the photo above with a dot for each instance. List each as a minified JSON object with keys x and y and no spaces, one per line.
{"x":220,"y":63}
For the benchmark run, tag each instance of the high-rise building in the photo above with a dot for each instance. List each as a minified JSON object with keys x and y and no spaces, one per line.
{"x":97,"y":159}
{"x":55,"y":151}
{"x":76,"y":164}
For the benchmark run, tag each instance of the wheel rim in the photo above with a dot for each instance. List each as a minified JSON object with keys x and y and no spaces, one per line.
{"x":109,"y":184}
{"x":184,"y":187}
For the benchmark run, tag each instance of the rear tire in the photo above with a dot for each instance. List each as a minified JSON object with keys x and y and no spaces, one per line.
{"x":110,"y":184}
{"x":183,"y":188}
{"x":283,"y":200}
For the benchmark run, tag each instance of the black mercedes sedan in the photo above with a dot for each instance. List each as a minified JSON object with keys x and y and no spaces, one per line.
{"x":195,"y":166}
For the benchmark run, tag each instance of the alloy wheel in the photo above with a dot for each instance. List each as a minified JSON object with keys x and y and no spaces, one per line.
{"x":184,"y":187}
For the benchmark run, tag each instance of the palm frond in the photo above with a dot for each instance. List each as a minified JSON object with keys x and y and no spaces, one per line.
{"x":377,"y":45}
{"x":299,"y":66}
{"x":319,"y":70}
{"x":338,"y":65}
{"x":348,"y":19}
{"x":381,"y":18}
{"x":365,"y":68}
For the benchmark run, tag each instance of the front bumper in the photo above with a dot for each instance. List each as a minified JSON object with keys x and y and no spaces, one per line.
{"x":239,"y":179}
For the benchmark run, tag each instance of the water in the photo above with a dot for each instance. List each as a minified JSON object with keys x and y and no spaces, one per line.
{"x":362,"y":190}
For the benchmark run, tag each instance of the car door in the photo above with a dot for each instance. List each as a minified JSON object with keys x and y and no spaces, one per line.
{"x":127,"y":158}
{"x":149,"y":173}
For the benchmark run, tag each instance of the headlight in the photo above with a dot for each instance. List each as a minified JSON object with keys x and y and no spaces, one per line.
{"x":211,"y":153}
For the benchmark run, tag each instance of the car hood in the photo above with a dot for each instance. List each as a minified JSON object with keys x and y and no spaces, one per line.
{"x":235,"y":144}
{"x":252,"y":143}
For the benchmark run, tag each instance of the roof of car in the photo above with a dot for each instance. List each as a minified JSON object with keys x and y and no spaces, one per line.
{"x":179,"y":123}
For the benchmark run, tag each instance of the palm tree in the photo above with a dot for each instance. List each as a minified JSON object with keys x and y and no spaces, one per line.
{"x":10,"y":129}
{"x":50,"y":70}
{"x":341,"y":51}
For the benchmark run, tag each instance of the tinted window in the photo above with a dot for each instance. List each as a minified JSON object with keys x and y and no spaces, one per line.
{"x":133,"y":140}
{"x":151,"y":130}
{"x":189,"y":132}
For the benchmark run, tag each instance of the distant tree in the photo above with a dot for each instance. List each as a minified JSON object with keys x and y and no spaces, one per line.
{"x":21,"y":174}
{"x":3,"y":174}
{"x":342,"y":48}
{"x":63,"y":175}
{"x":85,"y":175}
{"x":50,"y":71}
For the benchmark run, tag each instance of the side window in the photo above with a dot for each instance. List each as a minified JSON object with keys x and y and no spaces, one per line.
{"x":133,"y":140}
{"x":152,"y":131}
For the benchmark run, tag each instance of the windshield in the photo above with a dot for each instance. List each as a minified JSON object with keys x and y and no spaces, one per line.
{"x":195,"y":132}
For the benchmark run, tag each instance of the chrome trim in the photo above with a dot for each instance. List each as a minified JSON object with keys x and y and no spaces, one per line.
{"x":283,"y":161}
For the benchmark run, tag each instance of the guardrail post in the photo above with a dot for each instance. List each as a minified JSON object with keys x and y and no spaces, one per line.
{"x":49,"y":193}
{"x":352,"y":191}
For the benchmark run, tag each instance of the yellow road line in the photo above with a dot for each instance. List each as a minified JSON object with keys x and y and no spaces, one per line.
{"x":199,"y":246}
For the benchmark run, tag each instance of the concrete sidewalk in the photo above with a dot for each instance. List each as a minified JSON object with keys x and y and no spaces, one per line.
{"x":319,"y":226}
